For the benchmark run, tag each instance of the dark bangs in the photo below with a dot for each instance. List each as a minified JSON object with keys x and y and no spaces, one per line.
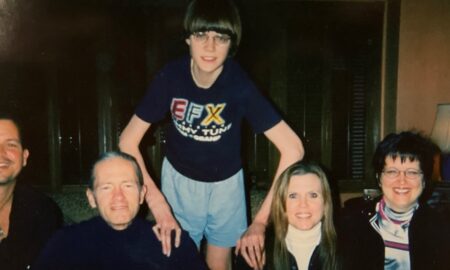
{"x":209,"y":22}
{"x":203,"y":25}
{"x":406,"y":146}
{"x":220,"y":16}
{"x":404,"y":156}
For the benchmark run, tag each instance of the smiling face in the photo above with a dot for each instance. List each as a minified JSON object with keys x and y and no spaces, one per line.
{"x":208,"y":54}
{"x":401,"y":193}
{"x":304,"y":202}
{"x":117,"y":193}
{"x":12,"y":155}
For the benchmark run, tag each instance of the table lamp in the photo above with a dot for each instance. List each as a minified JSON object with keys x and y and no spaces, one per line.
{"x":441,"y":137}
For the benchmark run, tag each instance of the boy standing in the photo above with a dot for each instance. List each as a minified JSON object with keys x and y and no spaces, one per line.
{"x":208,"y":95}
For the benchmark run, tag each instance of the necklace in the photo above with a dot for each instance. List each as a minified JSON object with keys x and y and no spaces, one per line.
{"x":3,"y":233}
{"x":210,"y":80}
{"x":195,"y":78}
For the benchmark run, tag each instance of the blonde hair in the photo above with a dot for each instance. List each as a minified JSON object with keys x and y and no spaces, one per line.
{"x":327,"y":246}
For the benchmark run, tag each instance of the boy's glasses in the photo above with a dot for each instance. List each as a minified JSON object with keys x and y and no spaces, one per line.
{"x":410,"y":174}
{"x":219,"y":39}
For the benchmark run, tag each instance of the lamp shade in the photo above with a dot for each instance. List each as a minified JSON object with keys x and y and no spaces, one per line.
{"x":441,"y":136}
{"x":441,"y":129}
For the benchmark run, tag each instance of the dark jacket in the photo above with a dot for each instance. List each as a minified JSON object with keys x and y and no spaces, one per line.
{"x":34,"y":218}
{"x":314,"y":262}
{"x":429,"y":240}
{"x":93,"y":244}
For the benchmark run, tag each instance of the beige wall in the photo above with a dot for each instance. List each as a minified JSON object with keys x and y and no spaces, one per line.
{"x":424,"y":62}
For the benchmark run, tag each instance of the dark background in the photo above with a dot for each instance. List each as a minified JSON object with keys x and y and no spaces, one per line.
{"x":75,"y":70}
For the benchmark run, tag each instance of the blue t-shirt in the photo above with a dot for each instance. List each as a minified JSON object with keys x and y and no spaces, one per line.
{"x":204,"y":138}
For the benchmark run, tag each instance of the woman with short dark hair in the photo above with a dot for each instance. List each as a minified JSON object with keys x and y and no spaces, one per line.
{"x":397,"y":231}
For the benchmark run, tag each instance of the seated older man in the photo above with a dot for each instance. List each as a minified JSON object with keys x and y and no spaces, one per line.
{"x":116,"y":239}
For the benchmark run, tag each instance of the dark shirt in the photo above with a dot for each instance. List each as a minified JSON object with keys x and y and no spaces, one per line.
{"x":315,"y":262}
{"x":93,"y":244}
{"x":429,"y":240}
{"x":34,"y":218}
{"x":204,"y":136}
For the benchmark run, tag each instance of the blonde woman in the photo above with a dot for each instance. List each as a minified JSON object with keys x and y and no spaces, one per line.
{"x":302,"y":219}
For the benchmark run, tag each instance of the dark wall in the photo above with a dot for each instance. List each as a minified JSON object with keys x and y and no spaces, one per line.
{"x":75,"y":70}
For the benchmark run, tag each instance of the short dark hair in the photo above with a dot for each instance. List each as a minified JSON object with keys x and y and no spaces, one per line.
{"x":116,"y":154}
{"x":17,"y":122}
{"x":405,"y":145}
{"x":221,"y":16}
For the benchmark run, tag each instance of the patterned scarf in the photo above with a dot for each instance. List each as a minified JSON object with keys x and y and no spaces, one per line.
{"x":393,"y":228}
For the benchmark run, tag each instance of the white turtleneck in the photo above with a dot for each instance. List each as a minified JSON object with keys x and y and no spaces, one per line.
{"x":301,"y":244}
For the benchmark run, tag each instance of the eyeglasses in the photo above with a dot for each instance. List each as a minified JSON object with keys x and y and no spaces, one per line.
{"x":411,"y":174}
{"x":219,"y":39}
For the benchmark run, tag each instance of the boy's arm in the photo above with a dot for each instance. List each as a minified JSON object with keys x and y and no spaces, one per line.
{"x":165,"y":222}
{"x":251,"y":244}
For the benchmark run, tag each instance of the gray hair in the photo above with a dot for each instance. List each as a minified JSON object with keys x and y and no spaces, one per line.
{"x":117,"y":154}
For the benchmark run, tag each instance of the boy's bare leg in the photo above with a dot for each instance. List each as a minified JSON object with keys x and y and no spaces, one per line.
{"x":218,"y":258}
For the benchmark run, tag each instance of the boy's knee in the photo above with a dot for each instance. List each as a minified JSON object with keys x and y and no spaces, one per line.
{"x":218,"y":258}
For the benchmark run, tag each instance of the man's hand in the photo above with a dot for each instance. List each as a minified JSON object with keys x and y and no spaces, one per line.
{"x":165,"y":224}
{"x":251,"y":245}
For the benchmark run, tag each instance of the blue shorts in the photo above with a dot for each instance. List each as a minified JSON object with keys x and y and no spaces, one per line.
{"x":215,"y":210}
